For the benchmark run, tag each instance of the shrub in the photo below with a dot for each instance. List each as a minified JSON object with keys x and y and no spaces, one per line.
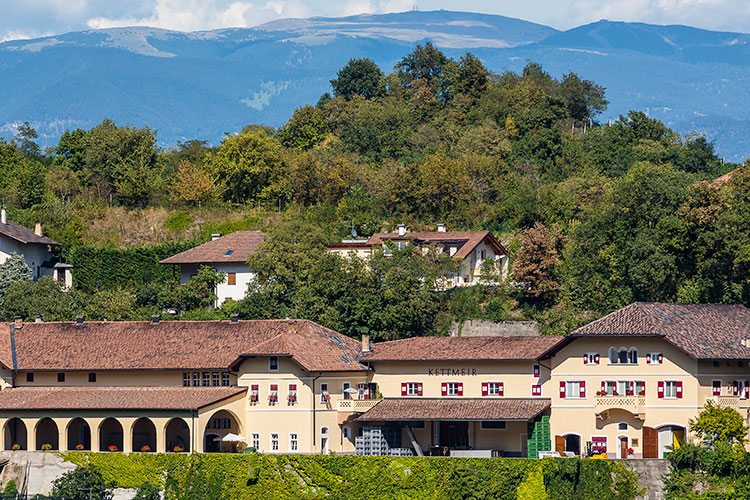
{"x":147,"y":491}
{"x":10,"y":487}
{"x":83,"y":483}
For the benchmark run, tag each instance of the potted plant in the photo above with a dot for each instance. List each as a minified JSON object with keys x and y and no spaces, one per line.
{"x":15,"y":447}
{"x":46,"y":447}
{"x":112,"y":447}
{"x":178,"y":449}
{"x":630,"y":451}
{"x":80,"y":447}
{"x":145,"y":448}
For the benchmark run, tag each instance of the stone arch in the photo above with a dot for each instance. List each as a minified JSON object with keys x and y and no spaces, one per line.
{"x":15,"y":433}
{"x":110,"y":434}
{"x":219,"y":425}
{"x":79,"y":433}
{"x":46,"y":433}
{"x":144,"y":435}
{"x":177,"y":433}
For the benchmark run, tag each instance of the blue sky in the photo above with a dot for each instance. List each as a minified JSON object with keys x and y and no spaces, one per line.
{"x":33,"y":18}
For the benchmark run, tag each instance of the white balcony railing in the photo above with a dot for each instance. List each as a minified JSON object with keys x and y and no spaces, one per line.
{"x":356,"y":405}
{"x":634,"y":404}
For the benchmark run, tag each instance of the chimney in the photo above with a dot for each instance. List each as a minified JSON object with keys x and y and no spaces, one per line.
{"x":155,"y":319}
{"x":215,"y":236}
{"x":365,"y":342}
{"x":234,"y":318}
{"x":3,"y":216}
{"x":38,"y":229}
{"x":402,"y":229}
{"x":18,"y":323}
{"x":38,"y":319}
{"x":441,"y":228}
{"x":79,"y":319}
{"x":746,"y":342}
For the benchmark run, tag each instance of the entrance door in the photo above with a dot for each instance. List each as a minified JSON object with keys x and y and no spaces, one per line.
{"x":650,"y":443}
{"x":324,"y":445}
{"x":573,"y":443}
{"x":454,"y":434}
{"x":623,"y":447}
{"x":559,"y":444}
{"x":210,"y":444}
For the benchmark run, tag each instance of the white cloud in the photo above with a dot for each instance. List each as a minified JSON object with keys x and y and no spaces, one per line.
{"x":21,"y":35}
{"x":731,"y":15}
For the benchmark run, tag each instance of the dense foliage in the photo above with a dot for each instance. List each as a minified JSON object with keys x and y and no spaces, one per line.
{"x":595,"y":215}
{"x":238,"y":477}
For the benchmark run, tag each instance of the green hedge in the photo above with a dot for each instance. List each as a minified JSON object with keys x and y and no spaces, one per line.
{"x":295,"y":477}
{"x":97,"y":267}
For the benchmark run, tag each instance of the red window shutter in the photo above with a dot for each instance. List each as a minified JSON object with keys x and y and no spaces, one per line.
{"x":292,"y":387}
{"x":632,"y":388}
{"x":643,"y":388}
{"x":716,"y":387}
{"x":485,"y":389}
{"x":582,"y":389}
{"x":596,"y":359}
{"x":735,"y":388}
{"x":648,"y":359}
{"x":274,"y":387}
{"x":661,"y":358}
{"x":678,"y":389}
{"x":444,"y":389}
{"x":403,"y":388}
{"x":747,"y":390}
{"x":604,"y":386}
{"x":460,"y":388}
{"x":419,"y":389}
{"x":585,"y":359}
{"x":562,"y":389}
{"x":660,"y":389}
{"x":501,"y":388}
{"x":254,"y":387}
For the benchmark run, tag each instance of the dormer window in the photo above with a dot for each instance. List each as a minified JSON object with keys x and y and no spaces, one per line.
{"x":623,"y":356}
{"x":273,"y":363}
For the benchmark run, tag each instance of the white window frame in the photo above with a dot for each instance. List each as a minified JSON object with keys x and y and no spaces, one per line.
{"x":206,"y":379}
{"x":273,"y":363}
{"x":185,"y":379}
{"x":628,"y":354}
{"x":667,"y":384}
{"x":540,"y":390}
{"x":412,"y":388}
{"x":292,"y":393}
{"x":720,"y":387}
{"x":591,"y":358}
{"x":196,"y":379}
{"x":606,"y":442}
{"x":254,"y":392}
{"x":449,"y":386}
{"x":496,"y":391}
{"x":344,"y":387}
{"x":620,"y":424}
{"x":273,"y":393}
{"x":274,"y":442}
{"x":215,"y":379}
{"x":653,"y":358}
{"x":225,"y":381}
{"x":346,"y":432}
{"x":293,"y":442}
{"x":577,"y":385}
{"x":325,"y":396}
{"x":255,"y":441}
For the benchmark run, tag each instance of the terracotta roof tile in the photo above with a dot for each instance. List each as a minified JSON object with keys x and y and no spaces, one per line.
{"x":462,"y":348}
{"x":703,"y":331}
{"x":24,"y":235}
{"x":234,"y":247}
{"x":178,"y":345}
{"x":112,"y":398}
{"x":455,"y":409}
{"x":468,"y":239}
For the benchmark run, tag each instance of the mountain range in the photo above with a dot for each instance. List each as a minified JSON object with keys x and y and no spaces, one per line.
{"x":202,"y":85}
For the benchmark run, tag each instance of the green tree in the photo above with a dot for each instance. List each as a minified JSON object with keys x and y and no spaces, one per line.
{"x":425,"y":62}
{"x":472,"y":77}
{"x":716,"y":423}
{"x":359,"y":77}
{"x":583,"y":99}
{"x":44,"y":297}
{"x":199,"y":292}
{"x":147,"y":491}
{"x":14,"y":269}
{"x":83,"y":483}
{"x":25,"y":139}
{"x":10,"y":487}
{"x":537,"y":262}
{"x":306,"y":129}
{"x":116,"y":304}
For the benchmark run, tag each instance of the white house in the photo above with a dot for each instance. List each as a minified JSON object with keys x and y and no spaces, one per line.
{"x":224,"y":253}
{"x":35,"y":248}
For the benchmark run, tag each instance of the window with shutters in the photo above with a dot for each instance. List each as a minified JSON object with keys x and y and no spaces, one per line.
{"x":492,"y":389}
{"x":536,"y":371}
{"x":573,"y":389}
{"x":454,"y":389}
{"x":536,"y":390}
{"x":292,"y":394}
{"x":591,"y":358}
{"x":254,"y":393}
{"x":716,"y":387}
{"x":670,"y":389}
{"x":741,"y":388}
{"x":654,"y":358}
{"x":411,"y":389}
{"x":273,"y":394}
{"x":640,"y":387}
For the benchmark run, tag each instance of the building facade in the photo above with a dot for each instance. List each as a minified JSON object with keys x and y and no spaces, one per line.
{"x":625,"y":386}
{"x":226,"y":254}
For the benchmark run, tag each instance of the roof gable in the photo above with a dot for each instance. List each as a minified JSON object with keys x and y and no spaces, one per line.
{"x":466,"y":241}
{"x":232,"y":248}
{"x":24,"y":235}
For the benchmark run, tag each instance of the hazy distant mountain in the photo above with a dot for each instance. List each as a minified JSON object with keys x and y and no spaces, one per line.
{"x":203,"y":84}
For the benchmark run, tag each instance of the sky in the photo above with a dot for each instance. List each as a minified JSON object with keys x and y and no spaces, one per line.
{"x":36,"y":18}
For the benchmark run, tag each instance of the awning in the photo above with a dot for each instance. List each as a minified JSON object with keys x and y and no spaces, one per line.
{"x":231,"y":438}
{"x":455,"y":409}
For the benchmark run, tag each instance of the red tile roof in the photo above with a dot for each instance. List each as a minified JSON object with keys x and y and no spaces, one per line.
{"x":468,"y":240}
{"x":455,"y":409}
{"x":177,"y":345}
{"x":463,"y":349}
{"x":703,"y":331}
{"x":24,"y":235}
{"x":114,"y":398}
{"x":232,"y":248}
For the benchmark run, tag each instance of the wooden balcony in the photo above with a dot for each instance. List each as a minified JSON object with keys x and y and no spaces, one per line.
{"x":355,"y":405}
{"x":633,"y":404}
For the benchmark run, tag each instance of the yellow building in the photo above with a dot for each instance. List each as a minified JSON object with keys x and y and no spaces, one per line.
{"x":625,"y":385}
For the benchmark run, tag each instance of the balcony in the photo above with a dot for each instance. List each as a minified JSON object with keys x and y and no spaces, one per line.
{"x":355,"y":405}
{"x":735,"y":402}
{"x":633,"y":404}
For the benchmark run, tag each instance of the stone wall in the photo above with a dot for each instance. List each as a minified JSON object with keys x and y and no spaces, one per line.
{"x":486,"y":328}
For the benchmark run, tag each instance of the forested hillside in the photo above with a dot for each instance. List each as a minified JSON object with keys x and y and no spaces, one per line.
{"x":596,"y":216}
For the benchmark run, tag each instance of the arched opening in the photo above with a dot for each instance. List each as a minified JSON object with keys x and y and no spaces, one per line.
{"x":144,"y":435}
{"x":79,"y":435}
{"x":671,"y":437}
{"x":216,"y":437}
{"x":110,"y":435}
{"x":177,"y":435}
{"x":15,"y":434}
{"x":47,"y":435}
{"x":573,"y":443}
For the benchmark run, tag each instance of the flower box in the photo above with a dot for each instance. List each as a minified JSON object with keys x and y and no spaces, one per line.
{"x":46,"y":447}
{"x":145,"y":448}
{"x":112,"y":447}
{"x":178,"y":449}
{"x":15,"y":447}
{"x":80,"y":447}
